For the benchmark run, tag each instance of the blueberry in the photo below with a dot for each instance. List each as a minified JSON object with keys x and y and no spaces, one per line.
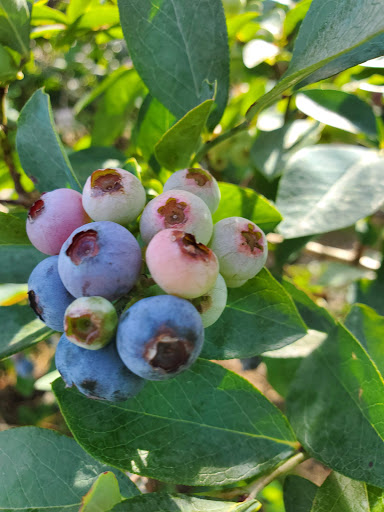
{"x":53,"y":217}
{"x":113,"y":194}
{"x":100,"y":258}
{"x":197,"y":181}
{"x":241,"y":248}
{"x":90,"y":322}
{"x":159,"y":337}
{"x":179,"y":265}
{"x":98,"y":374}
{"x":47,"y":295}
{"x":212,"y":304}
{"x":177,"y":209}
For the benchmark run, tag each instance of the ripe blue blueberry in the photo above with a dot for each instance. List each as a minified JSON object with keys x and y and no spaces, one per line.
{"x":100,"y":258}
{"x":97,"y":374}
{"x":47,"y":295}
{"x":160,"y":337}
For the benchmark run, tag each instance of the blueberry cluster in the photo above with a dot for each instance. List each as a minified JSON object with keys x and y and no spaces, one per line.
{"x":96,"y":262}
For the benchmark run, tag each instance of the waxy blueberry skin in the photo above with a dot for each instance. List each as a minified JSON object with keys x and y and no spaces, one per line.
{"x":177,"y":209}
{"x":113,"y":194}
{"x":212,"y":304}
{"x":100,"y":258}
{"x":181,"y":266}
{"x":53,"y":217}
{"x":241,"y":248}
{"x":197,"y":181}
{"x":98,"y":374}
{"x":160,"y":337}
{"x":47,"y":295}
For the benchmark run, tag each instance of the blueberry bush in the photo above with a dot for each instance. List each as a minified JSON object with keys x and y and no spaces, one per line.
{"x":190,"y":204}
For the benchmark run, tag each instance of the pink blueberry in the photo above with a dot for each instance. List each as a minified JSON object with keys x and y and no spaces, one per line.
{"x":197,"y":181}
{"x":180,"y":265}
{"x":177,"y":209}
{"x":241,"y":247}
{"x":113,"y":194}
{"x":53,"y":217}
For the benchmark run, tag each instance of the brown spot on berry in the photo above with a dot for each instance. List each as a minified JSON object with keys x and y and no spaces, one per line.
{"x":173,"y":212}
{"x":35,"y":210}
{"x":200,"y":176}
{"x":189,"y":246}
{"x":84,"y":245}
{"x":89,"y":385}
{"x":84,"y":327}
{"x":105,"y":181}
{"x":252,"y":238}
{"x":202,"y":304}
{"x":34,"y":303}
{"x":168,"y":351}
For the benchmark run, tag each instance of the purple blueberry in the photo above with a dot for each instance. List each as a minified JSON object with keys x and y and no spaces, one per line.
{"x":100,"y":258}
{"x":98,"y":374}
{"x":160,"y":337}
{"x":47,"y":295}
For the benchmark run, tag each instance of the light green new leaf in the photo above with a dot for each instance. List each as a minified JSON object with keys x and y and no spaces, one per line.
{"x":336,"y":407}
{"x":76,"y":8}
{"x":259,"y":316}
{"x":20,"y":329}
{"x":299,"y":494}
{"x":17,"y":262}
{"x":14,"y":25}
{"x":44,"y":15}
{"x":175,"y":430}
{"x":161,"y":502}
{"x":341,"y":494}
{"x":339,"y":109}
{"x":103,"y":495}
{"x":42,"y":471}
{"x":41,"y":152}
{"x":244,"y":202}
{"x":334,"y":36}
{"x":12,"y":230}
{"x":176,"y":147}
{"x":180,"y":50}
{"x":328,"y":187}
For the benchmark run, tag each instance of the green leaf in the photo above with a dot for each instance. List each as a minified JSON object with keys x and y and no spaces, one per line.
{"x":86,"y":161}
{"x":259,"y":316}
{"x":161,"y":502}
{"x":42,"y":15}
{"x":371,"y":292}
{"x":345,"y":495}
{"x":176,"y":147}
{"x":339,"y":109}
{"x":332,"y":37}
{"x":328,"y":187}
{"x":271,"y":150}
{"x":175,"y":430}
{"x":17,"y":262}
{"x":295,"y":16}
{"x":99,"y":17}
{"x":14,"y":25}
{"x":336,"y":408}
{"x":103,"y":495}
{"x":8,"y":66}
{"x":20,"y":330}
{"x":299,"y":494}
{"x":180,"y":50}
{"x":41,"y":152}
{"x":244,"y":202}
{"x":47,"y":472}
{"x":76,"y":8}
{"x":12,"y":230}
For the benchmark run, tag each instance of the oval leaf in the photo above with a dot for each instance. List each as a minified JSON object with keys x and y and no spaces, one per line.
{"x":259,"y":316}
{"x":41,"y":152}
{"x":17,"y":262}
{"x":193,"y":56}
{"x":14,"y":25}
{"x":43,"y":471}
{"x":175,"y":430}
{"x":103,"y":495}
{"x":12,"y":230}
{"x":328,"y":187}
{"x":299,"y":494}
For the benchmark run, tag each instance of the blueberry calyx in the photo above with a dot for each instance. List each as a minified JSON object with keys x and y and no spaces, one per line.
{"x":252,"y":238}
{"x":85,"y":328}
{"x":105,"y":181}
{"x":35,"y":210}
{"x":173,"y":212}
{"x":189,"y":246}
{"x":168,"y":351}
{"x":84,"y":245}
{"x":200,"y":176}
{"x":203,"y":303}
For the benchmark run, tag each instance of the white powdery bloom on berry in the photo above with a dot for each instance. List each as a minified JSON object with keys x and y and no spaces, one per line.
{"x":197,"y":181}
{"x":113,"y":195}
{"x":241,"y":248}
{"x":177,"y":209}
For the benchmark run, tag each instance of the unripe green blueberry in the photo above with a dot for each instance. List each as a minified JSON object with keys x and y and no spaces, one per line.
{"x":198,"y":182}
{"x":180,"y":266}
{"x":177,"y":209}
{"x":90,"y":322}
{"x":212,"y":304}
{"x":113,"y":194}
{"x":241,"y":248}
